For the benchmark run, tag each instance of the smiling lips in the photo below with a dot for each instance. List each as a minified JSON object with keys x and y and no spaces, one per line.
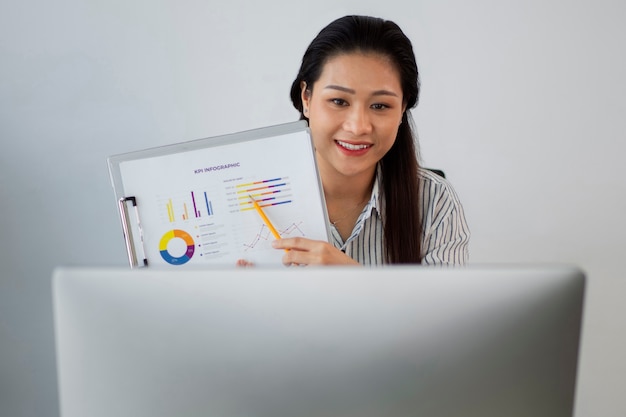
{"x":351,"y":146}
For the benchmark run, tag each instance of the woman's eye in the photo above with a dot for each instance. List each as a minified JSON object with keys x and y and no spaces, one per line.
{"x":379,"y":106}
{"x":339,"y":102}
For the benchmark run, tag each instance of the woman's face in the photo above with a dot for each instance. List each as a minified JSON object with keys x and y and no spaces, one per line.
{"x":354,"y":110}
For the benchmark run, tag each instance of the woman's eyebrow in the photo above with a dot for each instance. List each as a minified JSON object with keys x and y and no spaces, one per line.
{"x":340,"y":88}
{"x":352,"y":91}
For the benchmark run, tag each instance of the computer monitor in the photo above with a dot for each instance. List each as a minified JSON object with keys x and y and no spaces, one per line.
{"x":392,"y":341}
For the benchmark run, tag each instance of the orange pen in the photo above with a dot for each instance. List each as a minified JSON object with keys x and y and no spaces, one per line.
{"x":267,"y":221}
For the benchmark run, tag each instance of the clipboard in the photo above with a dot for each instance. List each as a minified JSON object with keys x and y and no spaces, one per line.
{"x":190,"y":204}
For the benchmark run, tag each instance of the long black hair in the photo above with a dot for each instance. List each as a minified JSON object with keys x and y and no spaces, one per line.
{"x":399,"y":167}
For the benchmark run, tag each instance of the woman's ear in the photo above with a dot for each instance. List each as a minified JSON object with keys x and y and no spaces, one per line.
{"x":305,"y":96}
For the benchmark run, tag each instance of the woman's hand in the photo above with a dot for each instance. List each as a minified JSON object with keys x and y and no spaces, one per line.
{"x":243,"y":263}
{"x":302,"y":251}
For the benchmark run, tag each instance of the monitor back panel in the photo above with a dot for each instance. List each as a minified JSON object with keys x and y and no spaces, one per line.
{"x":401,"y":341}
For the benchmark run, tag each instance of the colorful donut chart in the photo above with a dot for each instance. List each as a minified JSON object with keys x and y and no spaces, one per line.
{"x":180,"y":234}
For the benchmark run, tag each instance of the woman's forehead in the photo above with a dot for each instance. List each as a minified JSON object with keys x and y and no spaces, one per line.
{"x":357,"y":68}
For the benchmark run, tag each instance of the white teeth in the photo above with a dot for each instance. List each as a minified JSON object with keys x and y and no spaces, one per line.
{"x":351,"y":146}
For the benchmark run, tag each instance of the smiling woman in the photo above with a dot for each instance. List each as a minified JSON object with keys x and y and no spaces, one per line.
{"x":354,"y":117}
{"x":356,"y":82}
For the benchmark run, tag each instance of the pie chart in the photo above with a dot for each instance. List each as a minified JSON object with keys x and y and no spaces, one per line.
{"x":176,"y":247}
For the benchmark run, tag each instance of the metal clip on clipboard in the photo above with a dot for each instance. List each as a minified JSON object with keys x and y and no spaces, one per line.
{"x":131,"y":244}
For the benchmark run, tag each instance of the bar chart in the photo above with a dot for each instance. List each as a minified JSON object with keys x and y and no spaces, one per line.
{"x":186,"y":206}
{"x":268,"y":192}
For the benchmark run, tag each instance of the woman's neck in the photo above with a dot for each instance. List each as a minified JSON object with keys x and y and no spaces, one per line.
{"x":345,"y":198}
{"x":345,"y":188}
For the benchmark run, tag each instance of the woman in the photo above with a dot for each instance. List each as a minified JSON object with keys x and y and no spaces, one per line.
{"x":357,"y":81}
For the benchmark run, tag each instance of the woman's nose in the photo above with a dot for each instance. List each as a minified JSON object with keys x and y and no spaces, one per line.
{"x":358,"y":121}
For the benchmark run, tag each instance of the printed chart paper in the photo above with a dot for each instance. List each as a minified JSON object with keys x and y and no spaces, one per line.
{"x":194,"y":207}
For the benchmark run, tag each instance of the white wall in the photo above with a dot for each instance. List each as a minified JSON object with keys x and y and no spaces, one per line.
{"x":522,"y":105}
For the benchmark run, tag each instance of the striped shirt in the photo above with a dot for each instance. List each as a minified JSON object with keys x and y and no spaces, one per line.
{"x":445,"y":232}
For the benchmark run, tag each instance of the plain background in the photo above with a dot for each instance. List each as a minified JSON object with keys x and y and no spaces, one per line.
{"x":522,"y":105}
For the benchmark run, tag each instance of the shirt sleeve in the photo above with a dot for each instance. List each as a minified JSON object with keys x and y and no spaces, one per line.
{"x":446,"y":233}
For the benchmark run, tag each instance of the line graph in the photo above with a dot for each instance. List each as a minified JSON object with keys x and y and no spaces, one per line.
{"x":263,"y":235}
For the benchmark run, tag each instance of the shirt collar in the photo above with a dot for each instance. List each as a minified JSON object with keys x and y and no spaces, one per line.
{"x":374,"y":205}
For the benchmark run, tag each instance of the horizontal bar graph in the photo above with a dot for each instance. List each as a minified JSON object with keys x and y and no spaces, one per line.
{"x":270,"y":192}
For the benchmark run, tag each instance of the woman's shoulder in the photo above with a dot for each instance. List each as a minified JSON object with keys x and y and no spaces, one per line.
{"x":432,"y":177}
{"x":433,"y":183}
{"x":446,"y":233}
